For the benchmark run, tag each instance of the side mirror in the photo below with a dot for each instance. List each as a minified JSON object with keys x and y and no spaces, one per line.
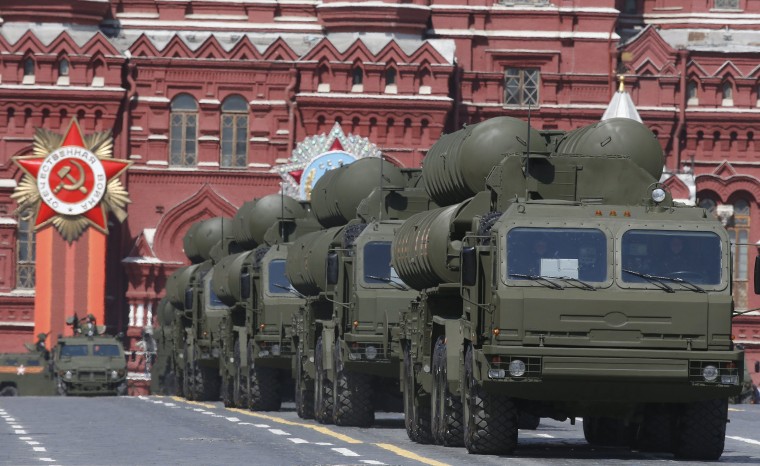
{"x":188,"y":298}
{"x":757,"y":274}
{"x":245,"y":286}
{"x":332,"y":268}
{"x":469,"y":266}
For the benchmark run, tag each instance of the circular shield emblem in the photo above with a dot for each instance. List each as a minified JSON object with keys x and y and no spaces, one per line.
{"x":71,"y":180}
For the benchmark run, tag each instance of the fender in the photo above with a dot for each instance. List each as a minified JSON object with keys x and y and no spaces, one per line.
{"x":454,"y":335}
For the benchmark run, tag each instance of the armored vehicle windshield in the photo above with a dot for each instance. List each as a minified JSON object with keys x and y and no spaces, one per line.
{"x":278,"y":279}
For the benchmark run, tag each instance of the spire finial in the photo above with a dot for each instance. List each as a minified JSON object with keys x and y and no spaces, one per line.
{"x":621,"y":86}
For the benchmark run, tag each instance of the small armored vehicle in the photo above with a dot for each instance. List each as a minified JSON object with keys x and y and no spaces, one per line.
{"x":25,"y":374}
{"x":89,"y":366}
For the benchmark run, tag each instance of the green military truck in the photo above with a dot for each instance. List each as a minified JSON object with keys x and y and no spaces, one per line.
{"x":563,"y":290}
{"x":89,"y":366}
{"x":26,"y":374}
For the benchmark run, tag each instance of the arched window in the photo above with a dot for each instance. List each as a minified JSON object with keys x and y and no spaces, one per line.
{"x":234,"y":133}
{"x":692,"y":94}
{"x":183,"y":138}
{"x":29,"y":68}
{"x":357,"y":79}
{"x":25,"y":250}
{"x":728,"y":94}
{"x":63,"y":72}
{"x":390,"y":81}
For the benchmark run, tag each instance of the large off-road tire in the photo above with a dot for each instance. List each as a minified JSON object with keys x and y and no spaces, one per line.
{"x":179,"y":383}
{"x":226,"y":390}
{"x":188,"y":383}
{"x":304,"y":391}
{"x":206,"y":383}
{"x":701,"y":430}
{"x":416,"y":407}
{"x":265,"y":389}
{"x":323,"y":396}
{"x":655,"y":433}
{"x":490,"y":420}
{"x":606,"y":432}
{"x":9,"y":390}
{"x":446,"y":408}
{"x":352,"y":405}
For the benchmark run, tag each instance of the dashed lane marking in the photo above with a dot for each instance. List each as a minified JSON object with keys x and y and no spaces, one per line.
{"x":325,"y":444}
{"x":298,"y":440}
{"x":233,"y":419}
{"x":32,"y":442}
{"x":38,"y":448}
{"x":371,"y":462}
{"x":262,"y":426}
{"x":409,"y":454}
{"x":25,"y":438}
{"x":17,"y":427}
{"x":20,"y":432}
{"x":278,"y":432}
{"x":49,"y":460}
{"x":742,"y":439}
{"x":345,"y":452}
{"x":320,"y":429}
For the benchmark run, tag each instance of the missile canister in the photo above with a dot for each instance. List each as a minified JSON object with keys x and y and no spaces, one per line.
{"x":202,"y":236}
{"x":225,"y":280}
{"x":338,"y":192}
{"x":457,"y":165}
{"x":255,"y":217}
{"x":617,"y":136}
{"x":176,"y":285}
{"x":307,"y":258}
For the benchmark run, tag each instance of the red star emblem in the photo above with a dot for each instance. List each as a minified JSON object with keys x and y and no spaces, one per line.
{"x":72,"y":180}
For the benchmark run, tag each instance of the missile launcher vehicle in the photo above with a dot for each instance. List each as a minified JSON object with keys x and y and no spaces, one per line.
{"x":564,"y":289}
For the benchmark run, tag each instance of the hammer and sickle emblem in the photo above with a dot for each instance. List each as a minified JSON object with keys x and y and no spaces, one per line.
{"x":65,"y":175}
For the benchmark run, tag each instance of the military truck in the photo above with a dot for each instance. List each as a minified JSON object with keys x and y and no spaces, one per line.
{"x":257,"y":337}
{"x":89,"y":366}
{"x":555,"y":292}
{"x":29,"y":373}
{"x":348,"y":353}
{"x":200,"y":311}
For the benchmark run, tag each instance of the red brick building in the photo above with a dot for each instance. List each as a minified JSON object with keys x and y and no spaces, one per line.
{"x":206,"y":97}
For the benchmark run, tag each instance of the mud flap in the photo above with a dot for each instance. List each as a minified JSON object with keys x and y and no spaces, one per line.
{"x":454,"y":336}
{"x":328,"y":346}
{"x":243,"y":344}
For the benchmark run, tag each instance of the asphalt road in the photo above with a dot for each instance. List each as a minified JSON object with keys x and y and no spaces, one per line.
{"x":162,"y":431}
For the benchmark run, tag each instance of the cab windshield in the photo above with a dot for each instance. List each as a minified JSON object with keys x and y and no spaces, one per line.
{"x":105,"y":350}
{"x":377,"y":265}
{"x":570,"y":253}
{"x":278,"y":279}
{"x":692,"y":256}
{"x":74,"y":350}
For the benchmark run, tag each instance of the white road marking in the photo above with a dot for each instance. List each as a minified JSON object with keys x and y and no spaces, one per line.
{"x":208,"y":412}
{"x":371,"y":462}
{"x":233,"y":419}
{"x":216,"y":415}
{"x":49,"y":460}
{"x":245,"y":424}
{"x":25,"y":438}
{"x":17,"y":427}
{"x":345,"y":452}
{"x":265,"y":426}
{"x":20,"y":432}
{"x":38,"y":448}
{"x":298,"y":440}
{"x":544,"y":435}
{"x":9,"y":419}
{"x":742,"y":439}
{"x":278,"y":432}
{"x":170,"y":404}
{"x":31,"y":442}
{"x":327,"y":444}
{"x":200,"y":410}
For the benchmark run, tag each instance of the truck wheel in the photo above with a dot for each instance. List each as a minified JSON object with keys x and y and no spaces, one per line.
{"x":605,"y":432}
{"x":9,"y":390}
{"x":490,"y":420}
{"x":189,"y":377}
{"x":323,"y":396}
{"x":656,"y":430}
{"x":701,"y":431}
{"x":206,"y":383}
{"x":416,"y":410}
{"x":352,"y":405}
{"x":447,"y":409}
{"x":304,"y":389}
{"x":265,"y":389}
{"x":226,"y":389}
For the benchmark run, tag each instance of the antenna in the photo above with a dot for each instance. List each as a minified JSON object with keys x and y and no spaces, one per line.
{"x":380,"y":213}
{"x":527,"y":157}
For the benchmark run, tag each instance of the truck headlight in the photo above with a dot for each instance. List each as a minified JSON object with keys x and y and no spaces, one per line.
{"x":371,"y":352}
{"x":710,"y":373}
{"x":275,"y":350}
{"x":68,"y":375}
{"x":114,"y":374}
{"x":516,"y":368}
